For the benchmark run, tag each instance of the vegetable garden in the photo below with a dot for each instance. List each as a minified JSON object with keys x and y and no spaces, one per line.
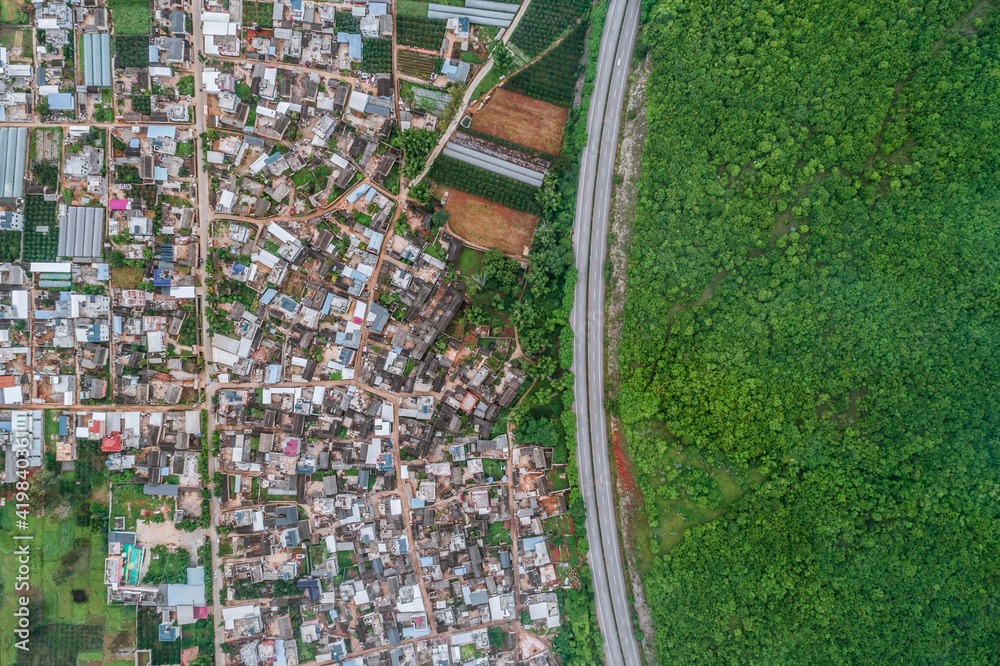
{"x":544,"y":21}
{"x":420,"y":32}
{"x":130,"y":17}
{"x":376,"y":56}
{"x":416,"y":64}
{"x":40,"y":246}
{"x":132,"y":50}
{"x":260,"y":13}
{"x":58,"y":644}
{"x":553,"y":78}
{"x":450,"y":172}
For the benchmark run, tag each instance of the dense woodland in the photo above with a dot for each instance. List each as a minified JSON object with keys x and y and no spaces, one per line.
{"x":813,"y":300}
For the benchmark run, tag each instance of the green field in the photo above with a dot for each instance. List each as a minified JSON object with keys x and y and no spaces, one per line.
{"x":40,"y":246}
{"x":130,"y":17}
{"x":13,"y":12}
{"x":68,"y":610}
{"x":259,"y":13}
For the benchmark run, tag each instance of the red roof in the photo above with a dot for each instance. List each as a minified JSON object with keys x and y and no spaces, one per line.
{"x":201,"y":612}
{"x":112,"y":444}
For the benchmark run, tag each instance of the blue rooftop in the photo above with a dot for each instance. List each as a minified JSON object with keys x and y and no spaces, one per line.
{"x":169,"y":633}
{"x":158,"y":131}
{"x":60,"y":101}
{"x":159,"y":280}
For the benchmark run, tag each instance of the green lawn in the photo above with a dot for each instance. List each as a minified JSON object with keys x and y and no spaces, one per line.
{"x":469,"y":262}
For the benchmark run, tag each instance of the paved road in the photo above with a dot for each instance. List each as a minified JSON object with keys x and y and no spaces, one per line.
{"x":204,"y":226}
{"x":593,"y":205}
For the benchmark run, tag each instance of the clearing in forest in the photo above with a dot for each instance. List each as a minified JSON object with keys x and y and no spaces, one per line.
{"x":529,"y":122}
{"x":489,"y":224}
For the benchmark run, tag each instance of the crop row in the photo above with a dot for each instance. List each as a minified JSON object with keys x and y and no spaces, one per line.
{"x":420,"y":32}
{"x":132,"y":50}
{"x":505,"y":191}
{"x":376,"y":56}
{"x":544,"y":21}
{"x":416,"y":64}
{"x":40,"y":246}
{"x":553,"y":78}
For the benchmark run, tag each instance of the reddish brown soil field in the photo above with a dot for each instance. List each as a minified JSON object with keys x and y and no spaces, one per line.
{"x":523,"y":120}
{"x":489,"y":224}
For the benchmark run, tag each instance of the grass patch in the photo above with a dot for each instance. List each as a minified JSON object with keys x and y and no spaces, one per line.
{"x":259,"y":13}
{"x":129,"y":18}
{"x":13,"y":13}
{"x":469,"y":261}
{"x":126,"y":277}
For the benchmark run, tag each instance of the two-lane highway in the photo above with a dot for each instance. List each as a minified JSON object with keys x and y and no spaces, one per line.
{"x":587,"y":320}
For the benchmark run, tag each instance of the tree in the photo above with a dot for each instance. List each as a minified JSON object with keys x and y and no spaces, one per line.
{"x":536,"y":431}
{"x":439,"y":219}
{"x":420,"y":192}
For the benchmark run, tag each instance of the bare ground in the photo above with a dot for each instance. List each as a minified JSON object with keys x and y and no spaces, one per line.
{"x":619,"y":242}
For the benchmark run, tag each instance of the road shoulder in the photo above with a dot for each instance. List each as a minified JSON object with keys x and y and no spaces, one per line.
{"x":629,"y":164}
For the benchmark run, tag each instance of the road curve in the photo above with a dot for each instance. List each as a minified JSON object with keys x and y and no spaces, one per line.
{"x":592,"y":206}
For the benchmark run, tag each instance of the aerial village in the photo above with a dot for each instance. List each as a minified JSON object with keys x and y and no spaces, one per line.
{"x":280,"y":392}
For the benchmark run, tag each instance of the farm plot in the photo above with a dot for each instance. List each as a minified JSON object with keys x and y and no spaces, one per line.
{"x":528,"y":122}
{"x":45,"y":144}
{"x":376,"y":56}
{"x":67,"y":600}
{"x":489,"y":224}
{"x":416,"y":64}
{"x":10,"y":245}
{"x":424,"y":98}
{"x":260,"y":13}
{"x":14,"y":37}
{"x":130,"y":17}
{"x":543,"y":22}
{"x":423,"y":33}
{"x":147,"y":630}
{"x":553,"y":78}
{"x":450,"y":172}
{"x":132,"y":50}
{"x":40,"y":245}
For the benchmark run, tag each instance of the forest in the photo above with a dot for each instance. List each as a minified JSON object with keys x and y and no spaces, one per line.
{"x":812,"y":301}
